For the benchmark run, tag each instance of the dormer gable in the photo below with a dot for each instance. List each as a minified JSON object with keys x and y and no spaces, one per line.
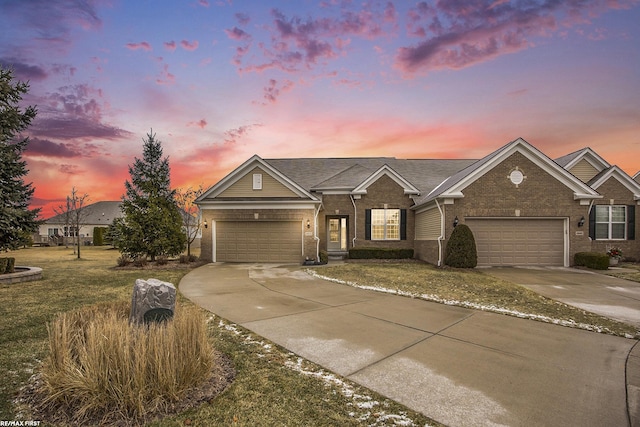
{"x":636,"y":177}
{"x":385,"y":170}
{"x":584,"y":164}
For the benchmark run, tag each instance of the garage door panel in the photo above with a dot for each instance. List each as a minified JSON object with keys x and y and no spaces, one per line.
{"x":523,"y":241}
{"x":264,"y":241}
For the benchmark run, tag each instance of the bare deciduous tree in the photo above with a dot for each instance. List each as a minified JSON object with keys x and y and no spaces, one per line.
{"x":191,"y":218}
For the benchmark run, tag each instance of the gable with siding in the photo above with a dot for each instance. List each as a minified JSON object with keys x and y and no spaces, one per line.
{"x":270,"y":187}
{"x":584,"y":171}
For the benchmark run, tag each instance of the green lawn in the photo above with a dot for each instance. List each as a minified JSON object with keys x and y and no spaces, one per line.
{"x":272,"y":386}
{"x":469,"y":288}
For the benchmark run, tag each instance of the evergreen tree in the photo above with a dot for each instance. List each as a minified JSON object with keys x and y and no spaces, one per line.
{"x":151,"y":225}
{"x":461,"y":248}
{"x":16,"y":219}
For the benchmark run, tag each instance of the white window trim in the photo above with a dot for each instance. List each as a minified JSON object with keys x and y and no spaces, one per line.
{"x":257,"y":181}
{"x":610,"y":222}
{"x":386,"y":224}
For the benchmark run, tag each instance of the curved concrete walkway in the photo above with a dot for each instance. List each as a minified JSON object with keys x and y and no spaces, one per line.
{"x":460,"y":367}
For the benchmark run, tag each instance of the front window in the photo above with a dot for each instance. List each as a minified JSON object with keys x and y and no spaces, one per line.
{"x":611,"y":222}
{"x":385,"y":224}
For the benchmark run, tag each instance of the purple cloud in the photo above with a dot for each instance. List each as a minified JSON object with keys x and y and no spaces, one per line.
{"x":243,"y":18}
{"x":142,"y":45}
{"x":23,"y":71}
{"x":458,"y":34}
{"x":170,"y":46}
{"x":45,"y":147}
{"x":236,"y":33}
{"x":303,"y":43}
{"x":52,"y":20}
{"x":75,"y":127}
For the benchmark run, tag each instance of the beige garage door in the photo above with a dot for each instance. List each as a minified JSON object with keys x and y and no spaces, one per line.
{"x":519,"y":241}
{"x":268,"y":241}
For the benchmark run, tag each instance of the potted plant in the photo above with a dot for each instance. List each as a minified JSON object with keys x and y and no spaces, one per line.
{"x":615,"y":254}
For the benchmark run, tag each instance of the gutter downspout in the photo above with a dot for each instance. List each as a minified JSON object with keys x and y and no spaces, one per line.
{"x":315,"y":232}
{"x":355,"y":221}
{"x":441,"y":237}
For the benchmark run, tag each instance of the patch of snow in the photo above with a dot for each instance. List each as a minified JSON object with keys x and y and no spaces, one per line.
{"x":466,"y":304}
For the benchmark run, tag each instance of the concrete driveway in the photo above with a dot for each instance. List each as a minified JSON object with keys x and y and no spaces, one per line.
{"x":458,"y":366}
{"x":608,"y":296}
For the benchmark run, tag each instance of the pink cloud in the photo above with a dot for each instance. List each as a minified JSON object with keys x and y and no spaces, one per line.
{"x":142,"y":45}
{"x":166,"y":78}
{"x":203,"y":3}
{"x":236,"y":33}
{"x":186,"y":45}
{"x":200,"y":123}
{"x":274,"y":88}
{"x":170,"y":46}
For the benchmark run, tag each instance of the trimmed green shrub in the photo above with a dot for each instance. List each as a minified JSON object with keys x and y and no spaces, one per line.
{"x":3,"y":264}
{"x":595,"y":260}
{"x":461,"y":248}
{"x":98,"y":235}
{"x":324,"y":257}
{"x":380,"y":253}
{"x":11,"y":265}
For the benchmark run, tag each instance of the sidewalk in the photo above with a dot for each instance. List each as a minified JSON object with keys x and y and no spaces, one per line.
{"x":458,"y":366}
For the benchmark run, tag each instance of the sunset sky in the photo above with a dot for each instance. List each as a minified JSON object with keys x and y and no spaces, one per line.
{"x":219,"y":81}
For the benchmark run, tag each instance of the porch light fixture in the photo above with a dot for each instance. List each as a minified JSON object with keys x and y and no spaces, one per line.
{"x":308,"y":224}
{"x":581,"y":222}
{"x":205,"y":224}
{"x":455,"y":221}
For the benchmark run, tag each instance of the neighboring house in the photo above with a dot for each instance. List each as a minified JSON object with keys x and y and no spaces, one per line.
{"x":523,"y":207}
{"x":99,"y":214}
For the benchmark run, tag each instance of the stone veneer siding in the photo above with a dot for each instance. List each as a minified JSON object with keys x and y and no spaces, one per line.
{"x":210,"y":215}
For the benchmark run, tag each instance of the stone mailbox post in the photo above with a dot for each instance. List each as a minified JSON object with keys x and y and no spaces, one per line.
{"x":152,"y":300}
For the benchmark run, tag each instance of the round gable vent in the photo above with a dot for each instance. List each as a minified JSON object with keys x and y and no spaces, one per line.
{"x":516,"y":177}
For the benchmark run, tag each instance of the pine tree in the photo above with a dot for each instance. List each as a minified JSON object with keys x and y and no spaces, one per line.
{"x":151,"y":224}
{"x":16,"y":219}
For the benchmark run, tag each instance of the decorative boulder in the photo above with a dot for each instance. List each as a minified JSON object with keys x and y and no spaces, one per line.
{"x":152,"y":301}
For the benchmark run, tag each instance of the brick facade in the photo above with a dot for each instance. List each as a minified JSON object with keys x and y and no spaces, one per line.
{"x":614,"y":193}
{"x":385,"y":191}
{"x":546,"y":192}
{"x":494,"y":195}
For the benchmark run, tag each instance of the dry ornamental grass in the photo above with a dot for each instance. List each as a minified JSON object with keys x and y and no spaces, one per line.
{"x":102,"y":368}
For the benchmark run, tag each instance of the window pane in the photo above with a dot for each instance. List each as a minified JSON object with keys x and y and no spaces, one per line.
{"x":602,"y":213}
{"x":393,"y":232}
{"x":618,"y":213}
{"x":602,"y":231}
{"x":617,"y":231}
{"x":377,"y":232}
{"x":377,"y":216}
{"x":393,"y":216}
